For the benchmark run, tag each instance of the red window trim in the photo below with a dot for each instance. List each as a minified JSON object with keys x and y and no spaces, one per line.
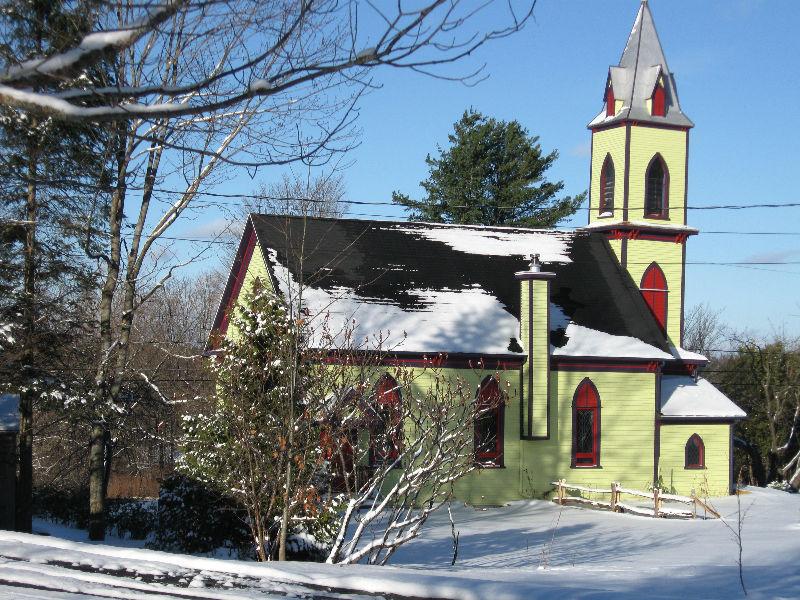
{"x":664,"y":212}
{"x":586,"y":398}
{"x":489,"y":393}
{"x":655,"y":292}
{"x":387,"y":393}
{"x":603,"y":207}
{"x":701,"y":453}
{"x":659,"y":101}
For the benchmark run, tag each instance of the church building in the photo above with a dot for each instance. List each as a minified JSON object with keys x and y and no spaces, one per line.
{"x":585,"y":328}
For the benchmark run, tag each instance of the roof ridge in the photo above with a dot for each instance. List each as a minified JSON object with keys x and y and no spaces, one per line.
{"x":517,"y":228}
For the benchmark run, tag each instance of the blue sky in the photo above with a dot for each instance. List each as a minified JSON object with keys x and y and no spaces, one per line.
{"x":735,"y":62}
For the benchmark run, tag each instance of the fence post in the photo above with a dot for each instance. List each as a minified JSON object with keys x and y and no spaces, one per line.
{"x":561,"y":483}
{"x":694,"y":505}
{"x":656,"y":501}
{"x":614,"y":496}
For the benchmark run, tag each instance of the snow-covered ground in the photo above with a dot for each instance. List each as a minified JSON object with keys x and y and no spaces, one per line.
{"x":526,"y":550}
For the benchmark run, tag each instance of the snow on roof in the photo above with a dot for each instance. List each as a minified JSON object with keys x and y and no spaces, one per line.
{"x":9,"y":412}
{"x":585,"y":342}
{"x":687,"y":355}
{"x":447,"y":321}
{"x":433,"y":288}
{"x":552,"y":247}
{"x":682,"y":396}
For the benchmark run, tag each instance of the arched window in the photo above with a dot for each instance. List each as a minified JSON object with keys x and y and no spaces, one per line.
{"x":489,"y":424}
{"x":607,"y":187}
{"x":659,"y":100}
{"x":654,"y":290}
{"x":695,"y":453}
{"x":656,"y":191}
{"x":586,"y":426}
{"x":385,"y":426}
{"x":611,"y":102}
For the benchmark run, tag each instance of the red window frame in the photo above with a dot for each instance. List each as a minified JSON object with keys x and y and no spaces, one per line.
{"x":661,"y":187}
{"x":656,"y":293}
{"x":695,"y":442}
{"x":611,"y":101}
{"x":385,"y":413}
{"x":659,"y":100}
{"x":489,"y":399}
{"x":586,"y":401}
{"x":608,"y":165}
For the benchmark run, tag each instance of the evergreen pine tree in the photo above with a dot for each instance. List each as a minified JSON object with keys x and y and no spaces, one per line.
{"x":493,"y":173}
{"x":46,"y":217}
{"x":263,"y":421}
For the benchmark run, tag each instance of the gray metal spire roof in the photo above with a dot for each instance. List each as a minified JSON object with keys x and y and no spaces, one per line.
{"x":635,"y":78}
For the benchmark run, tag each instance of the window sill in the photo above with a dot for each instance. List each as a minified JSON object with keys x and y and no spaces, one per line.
{"x":479,"y":465}
{"x":657,"y":217}
{"x":585,"y":467}
{"x":702,"y":468}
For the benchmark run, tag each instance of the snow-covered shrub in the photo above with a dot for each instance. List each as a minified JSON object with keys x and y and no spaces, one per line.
{"x":191,"y":517}
{"x":312,"y":534}
{"x":62,"y":505}
{"x":781,"y":485}
{"x":134,"y":519}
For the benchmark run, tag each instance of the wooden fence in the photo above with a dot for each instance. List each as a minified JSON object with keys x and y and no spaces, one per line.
{"x":657,"y":496}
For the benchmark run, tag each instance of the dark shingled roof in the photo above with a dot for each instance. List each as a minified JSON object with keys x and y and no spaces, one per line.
{"x":388,"y":263}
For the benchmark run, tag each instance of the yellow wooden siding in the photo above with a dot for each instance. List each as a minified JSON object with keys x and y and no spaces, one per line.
{"x":627,"y":415}
{"x":539,"y":361}
{"x":646,"y":142}
{"x":714,"y":479}
{"x":669,"y":256}
{"x":487,"y":486}
{"x":605,"y":142}
{"x":256,"y":269}
{"x":616,"y":246}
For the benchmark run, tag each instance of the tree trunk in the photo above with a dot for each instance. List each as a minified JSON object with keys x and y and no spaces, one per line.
{"x":24,"y":492}
{"x":756,"y":462}
{"x":97,"y":498}
{"x":773,"y":466}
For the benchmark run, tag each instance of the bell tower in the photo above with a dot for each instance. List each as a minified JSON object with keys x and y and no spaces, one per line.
{"x":639,"y":173}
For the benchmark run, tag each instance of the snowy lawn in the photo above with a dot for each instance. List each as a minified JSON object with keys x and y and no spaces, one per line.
{"x":511,"y":552}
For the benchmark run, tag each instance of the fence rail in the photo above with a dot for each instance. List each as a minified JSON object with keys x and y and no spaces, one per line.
{"x":657,"y":496}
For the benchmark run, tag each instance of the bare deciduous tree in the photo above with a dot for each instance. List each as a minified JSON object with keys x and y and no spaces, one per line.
{"x":704,"y":331}
{"x":425,"y":444}
{"x":200,"y":87}
{"x":251,"y":49}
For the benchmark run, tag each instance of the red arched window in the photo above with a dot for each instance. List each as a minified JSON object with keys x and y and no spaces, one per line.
{"x":611,"y":102}
{"x":586,"y":426}
{"x":695,"y":453}
{"x":654,"y":290}
{"x":659,"y":101}
{"x":656,"y":192}
{"x":385,"y":426}
{"x":607,"y":187}
{"x":489,"y":424}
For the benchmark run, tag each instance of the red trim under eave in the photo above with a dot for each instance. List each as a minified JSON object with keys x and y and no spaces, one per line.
{"x":476,"y":361}
{"x":635,"y":233}
{"x":561,"y":363}
{"x":235,"y":283}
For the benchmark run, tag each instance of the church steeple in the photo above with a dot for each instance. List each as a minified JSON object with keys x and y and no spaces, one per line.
{"x":642,"y":87}
{"x":639,"y":173}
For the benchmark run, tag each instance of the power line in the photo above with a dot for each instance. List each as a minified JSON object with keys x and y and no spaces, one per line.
{"x":268,"y":197}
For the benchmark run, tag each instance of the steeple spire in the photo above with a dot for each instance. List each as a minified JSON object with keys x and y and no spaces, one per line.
{"x":635,"y":81}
